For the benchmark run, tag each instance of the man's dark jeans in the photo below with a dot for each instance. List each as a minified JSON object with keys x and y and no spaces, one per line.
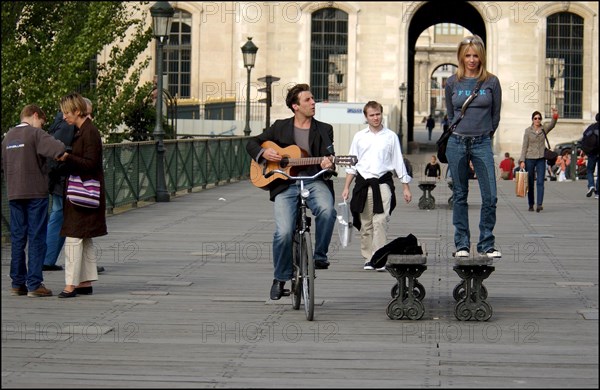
{"x":28,"y":223}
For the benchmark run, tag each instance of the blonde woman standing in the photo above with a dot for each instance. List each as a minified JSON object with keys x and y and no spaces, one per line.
{"x":471,"y":144}
{"x":81,"y":224}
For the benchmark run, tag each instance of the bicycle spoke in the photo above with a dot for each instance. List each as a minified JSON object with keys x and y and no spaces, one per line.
{"x":296,"y":280}
{"x":308,"y":280}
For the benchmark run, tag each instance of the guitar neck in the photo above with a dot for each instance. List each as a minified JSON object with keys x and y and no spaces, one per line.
{"x":304,"y":161}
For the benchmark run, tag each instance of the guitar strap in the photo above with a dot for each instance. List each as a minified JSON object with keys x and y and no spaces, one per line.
{"x":326,"y":139}
{"x":329,"y":144}
{"x":465,"y":105}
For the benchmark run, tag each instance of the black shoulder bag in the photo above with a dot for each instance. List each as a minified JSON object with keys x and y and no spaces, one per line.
{"x":442,"y":142}
{"x":550,"y":155}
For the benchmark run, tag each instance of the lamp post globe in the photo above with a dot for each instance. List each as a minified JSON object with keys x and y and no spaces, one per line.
{"x":402,"y":89}
{"x":162,"y":14}
{"x":249,"y":53}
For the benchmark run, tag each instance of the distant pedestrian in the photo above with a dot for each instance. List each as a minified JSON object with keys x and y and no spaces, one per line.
{"x":507,"y":166}
{"x":532,"y":157}
{"x":433,"y":169}
{"x":430,"y":126}
{"x":445,"y":123}
{"x":592,"y":154}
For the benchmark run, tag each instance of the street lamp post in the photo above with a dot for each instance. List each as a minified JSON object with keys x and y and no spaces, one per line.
{"x":162,"y":13}
{"x":268,"y":100}
{"x":402,"y":96}
{"x":249,"y":52}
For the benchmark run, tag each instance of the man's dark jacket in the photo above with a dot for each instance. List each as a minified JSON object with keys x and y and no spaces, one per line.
{"x":282,"y":133}
{"x":63,"y":132}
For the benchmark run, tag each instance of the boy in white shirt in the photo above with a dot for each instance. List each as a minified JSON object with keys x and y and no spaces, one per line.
{"x":373,"y":196}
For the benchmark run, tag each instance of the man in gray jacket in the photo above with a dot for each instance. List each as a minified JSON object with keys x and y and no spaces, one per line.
{"x":24,"y":152}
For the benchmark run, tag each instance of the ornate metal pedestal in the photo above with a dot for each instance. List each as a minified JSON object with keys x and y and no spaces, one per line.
{"x":470,"y":293}
{"x":407,"y":293}
{"x":426,"y":201}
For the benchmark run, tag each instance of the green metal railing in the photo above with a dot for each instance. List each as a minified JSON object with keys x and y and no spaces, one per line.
{"x":130,"y":169}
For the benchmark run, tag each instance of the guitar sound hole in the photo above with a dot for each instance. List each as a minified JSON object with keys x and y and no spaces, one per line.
{"x":284,"y":162}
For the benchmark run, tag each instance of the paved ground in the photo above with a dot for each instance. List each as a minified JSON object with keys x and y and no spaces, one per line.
{"x":184,"y":303}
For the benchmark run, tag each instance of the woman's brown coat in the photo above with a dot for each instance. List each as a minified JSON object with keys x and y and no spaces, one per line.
{"x":85,"y":160}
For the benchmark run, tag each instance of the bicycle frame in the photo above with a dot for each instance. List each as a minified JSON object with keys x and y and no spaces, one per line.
{"x":303,"y":283}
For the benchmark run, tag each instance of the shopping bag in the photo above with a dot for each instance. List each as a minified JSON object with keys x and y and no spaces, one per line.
{"x":344,"y":224}
{"x":83,"y":193}
{"x":521,"y":181}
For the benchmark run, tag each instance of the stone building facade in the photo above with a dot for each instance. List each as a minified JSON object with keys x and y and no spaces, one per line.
{"x":544,"y":53}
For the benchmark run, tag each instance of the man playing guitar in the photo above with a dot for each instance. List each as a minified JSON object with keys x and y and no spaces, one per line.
{"x":316,"y":140}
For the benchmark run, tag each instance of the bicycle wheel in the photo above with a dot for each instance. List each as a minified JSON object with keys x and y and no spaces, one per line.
{"x":308,"y":276}
{"x":296,"y":279}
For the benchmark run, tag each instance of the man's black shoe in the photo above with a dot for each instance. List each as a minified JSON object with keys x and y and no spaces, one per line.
{"x":99,"y":269}
{"x":321,"y":264}
{"x":52,"y":268}
{"x":277,"y":289}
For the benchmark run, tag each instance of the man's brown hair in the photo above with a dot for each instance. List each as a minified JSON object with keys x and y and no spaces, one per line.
{"x":372,"y":104}
{"x":292,"y":95}
{"x":31,"y":109}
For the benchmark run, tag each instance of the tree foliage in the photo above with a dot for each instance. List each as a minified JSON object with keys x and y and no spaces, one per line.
{"x":50,"y":48}
{"x":140,"y":117}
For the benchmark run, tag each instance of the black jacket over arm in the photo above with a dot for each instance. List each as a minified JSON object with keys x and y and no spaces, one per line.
{"x":57,"y":171}
{"x":282,"y":133}
{"x":361,"y":192}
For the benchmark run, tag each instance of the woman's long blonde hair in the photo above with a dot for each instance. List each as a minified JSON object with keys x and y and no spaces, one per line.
{"x":475,"y":42}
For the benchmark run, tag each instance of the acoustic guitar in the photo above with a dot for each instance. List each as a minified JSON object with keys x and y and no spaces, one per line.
{"x":293,"y":156}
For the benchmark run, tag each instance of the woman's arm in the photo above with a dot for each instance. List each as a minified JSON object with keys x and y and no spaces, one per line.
{"x":549,"y":126}
{"x":496,"y":104}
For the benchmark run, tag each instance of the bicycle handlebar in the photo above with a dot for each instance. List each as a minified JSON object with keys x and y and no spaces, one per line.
{"x":321,"y":172}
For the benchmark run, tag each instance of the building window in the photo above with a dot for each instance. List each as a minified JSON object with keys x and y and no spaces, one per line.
{"x":329,"y":55}
{"x":448,"y":29}
{"x":448,"y":32}
{"x":178,"y":55}
{"x":564,"y":65}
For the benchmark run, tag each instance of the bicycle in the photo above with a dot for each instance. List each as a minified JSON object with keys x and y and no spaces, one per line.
{"x":303,"y":281}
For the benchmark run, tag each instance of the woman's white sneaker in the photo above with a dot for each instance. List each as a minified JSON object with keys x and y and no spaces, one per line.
{"x":493,"y":253}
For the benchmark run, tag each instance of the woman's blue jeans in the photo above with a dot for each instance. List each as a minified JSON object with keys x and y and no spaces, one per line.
{"x":536,"y":170}
{"x":460,"y":151}
{"x":320,"y":202}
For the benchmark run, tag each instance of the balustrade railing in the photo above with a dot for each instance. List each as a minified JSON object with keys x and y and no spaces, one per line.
{"x":130,"y":169}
